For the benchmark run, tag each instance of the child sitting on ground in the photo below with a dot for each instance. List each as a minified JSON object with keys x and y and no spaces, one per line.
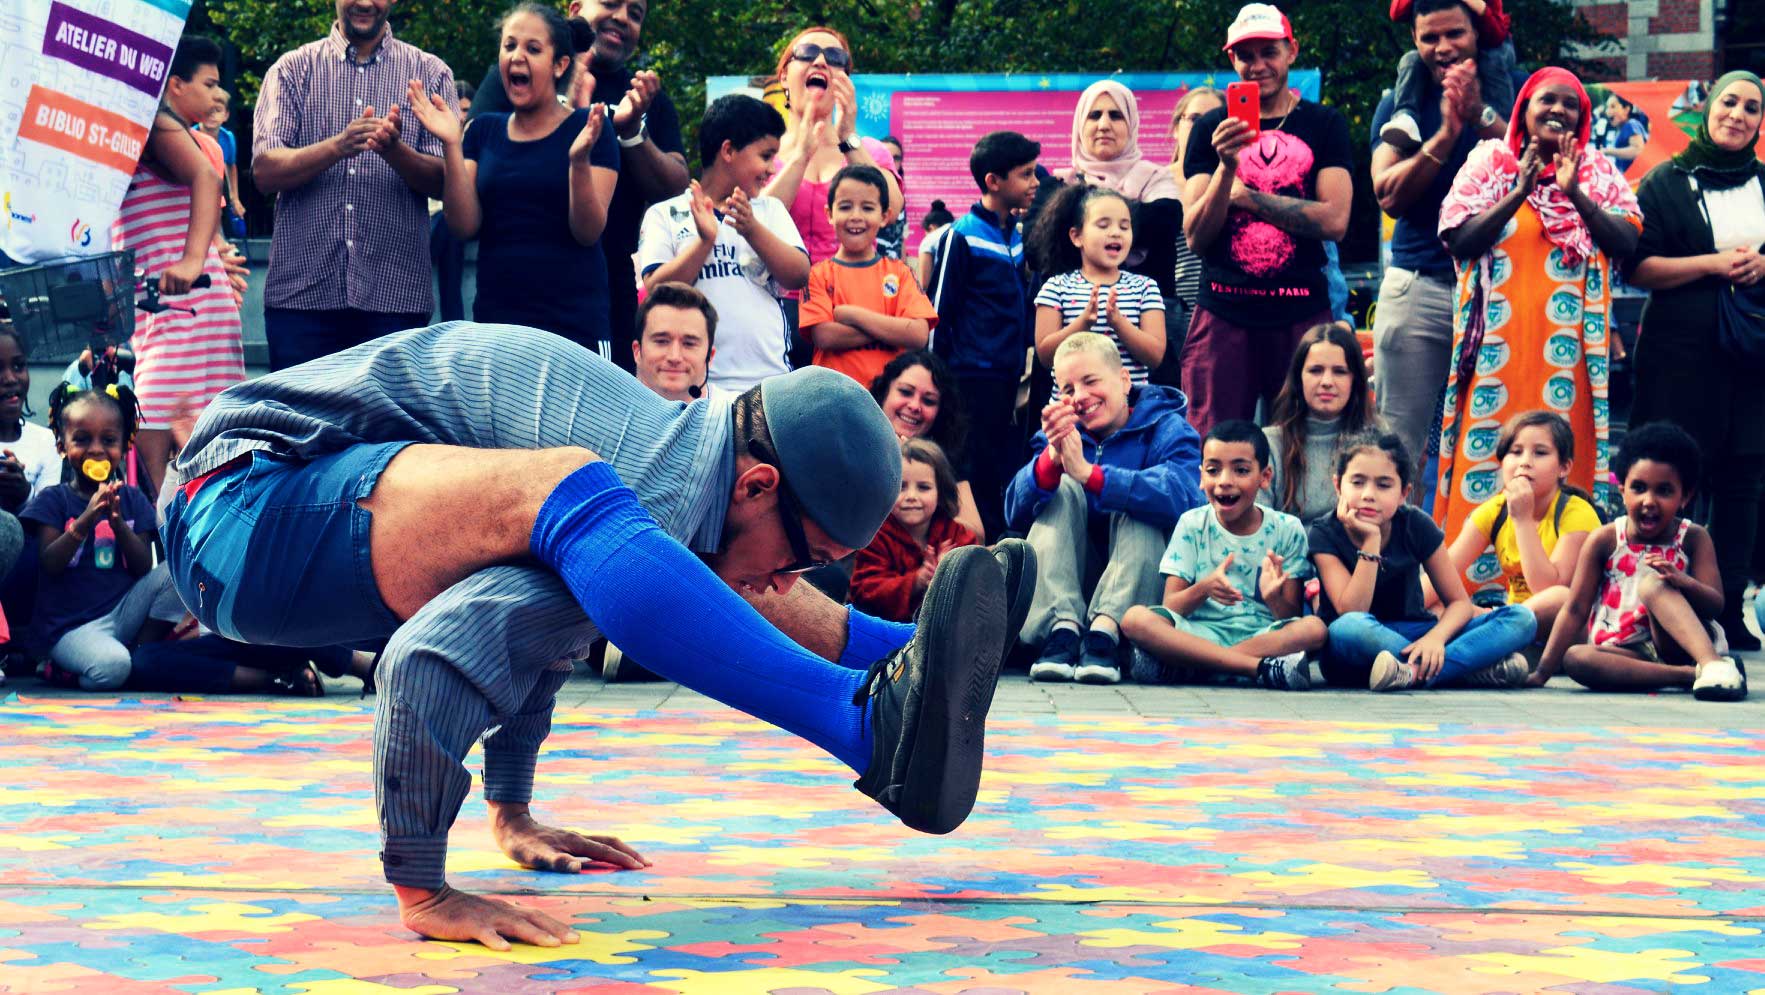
{"x":1495,"y":77}
{"x":1370,"y":556}
{"x":1116,"y":467}
{"x":861,"y":308}
{"x":892,"y":573}
{"x":98,"y":589}
{"x":1234,"y":579}
{"x":1084,"y":235}
{"x":1324,"y":401}
{"x":1650,"y":582}
{"x":1536,"y":525}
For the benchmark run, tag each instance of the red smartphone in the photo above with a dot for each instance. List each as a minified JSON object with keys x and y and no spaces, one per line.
{"x":1244,"y":102}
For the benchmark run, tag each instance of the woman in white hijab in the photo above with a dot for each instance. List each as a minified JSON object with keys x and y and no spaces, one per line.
{"x":1106,"y":146}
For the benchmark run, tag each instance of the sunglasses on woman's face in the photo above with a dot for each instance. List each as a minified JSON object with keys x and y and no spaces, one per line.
{"x":837,"y":58}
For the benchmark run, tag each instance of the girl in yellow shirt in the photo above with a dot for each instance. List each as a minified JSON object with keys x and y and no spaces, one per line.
{"x":1527,"y":537}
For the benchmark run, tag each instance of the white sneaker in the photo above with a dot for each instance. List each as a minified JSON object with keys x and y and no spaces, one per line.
{"x":1097,"y":673}
{"x":1401,"y":133}
{"x":1050,"y":670}
{"x":1289,"y":672}
{"x":1390,"y":673}
{"x":1721,"y":679}
{"x":1510,"y":673}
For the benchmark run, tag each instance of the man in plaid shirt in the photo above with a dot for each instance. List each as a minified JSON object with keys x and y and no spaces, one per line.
{"x":349,"y":260}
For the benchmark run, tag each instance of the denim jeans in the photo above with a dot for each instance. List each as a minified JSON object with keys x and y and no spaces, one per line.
{"x":294,"y":337}
{"x":448,"y":254}
{"x":1357,"y":637}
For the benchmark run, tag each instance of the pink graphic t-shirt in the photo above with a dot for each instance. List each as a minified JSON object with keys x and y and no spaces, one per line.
{"x":1256,"y":273}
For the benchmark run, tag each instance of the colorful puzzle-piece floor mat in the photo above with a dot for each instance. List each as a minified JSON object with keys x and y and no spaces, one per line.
{"x":217,"y":846}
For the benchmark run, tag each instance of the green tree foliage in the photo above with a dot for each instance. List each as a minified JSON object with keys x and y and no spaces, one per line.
{"x":1352,"y":41}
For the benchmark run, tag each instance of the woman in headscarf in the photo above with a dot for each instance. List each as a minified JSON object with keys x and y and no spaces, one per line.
{"x":1106,"y":146}
{"x":1533,"y":221}
{"x":1704,"y":221}
{"x":1106,"y":153}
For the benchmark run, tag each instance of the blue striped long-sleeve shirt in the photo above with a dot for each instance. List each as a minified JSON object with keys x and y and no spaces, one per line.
{"x":488,"y":654}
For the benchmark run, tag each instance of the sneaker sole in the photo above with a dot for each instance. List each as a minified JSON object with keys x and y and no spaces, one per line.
{"x":1719,"y":694}
{"x":966,"y":602}
{"x":1094,"y":677}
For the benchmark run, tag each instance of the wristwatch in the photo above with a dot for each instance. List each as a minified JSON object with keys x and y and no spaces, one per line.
{"x":643,"y":134}
{"x":849,"y":146}
{"x":1489,"y":117}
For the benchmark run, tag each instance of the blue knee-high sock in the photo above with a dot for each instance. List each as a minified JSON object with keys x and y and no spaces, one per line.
{"x":869,"y":639}
{"x":654,"y":600}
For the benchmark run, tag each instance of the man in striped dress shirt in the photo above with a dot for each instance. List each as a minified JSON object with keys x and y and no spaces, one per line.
{"x":481,"y":501}
{"x":349,"y":259}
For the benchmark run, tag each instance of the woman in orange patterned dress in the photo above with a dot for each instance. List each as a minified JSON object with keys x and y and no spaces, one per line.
{"x":1534,"y":220}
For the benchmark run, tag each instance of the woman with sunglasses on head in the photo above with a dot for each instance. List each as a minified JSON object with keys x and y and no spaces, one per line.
{"x":821,"y":136}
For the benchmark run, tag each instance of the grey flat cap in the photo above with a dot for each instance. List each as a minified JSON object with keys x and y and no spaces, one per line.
{"x":837,"y":450}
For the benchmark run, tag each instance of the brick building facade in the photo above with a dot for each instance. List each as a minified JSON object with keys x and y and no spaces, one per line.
{"x":1677,"y":39}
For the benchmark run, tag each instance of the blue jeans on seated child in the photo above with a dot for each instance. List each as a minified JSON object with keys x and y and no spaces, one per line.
{"x":1358,"y":637}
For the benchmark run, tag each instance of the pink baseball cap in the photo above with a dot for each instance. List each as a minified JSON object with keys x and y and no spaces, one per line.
{"x":1256,"y":21}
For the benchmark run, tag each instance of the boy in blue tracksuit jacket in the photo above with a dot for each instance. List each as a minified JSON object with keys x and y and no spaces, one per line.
{"x":1115,"y":467}
{"x":981,"y":290}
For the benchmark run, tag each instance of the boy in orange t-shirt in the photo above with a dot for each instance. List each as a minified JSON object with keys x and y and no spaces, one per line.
{"x":862,"y":309}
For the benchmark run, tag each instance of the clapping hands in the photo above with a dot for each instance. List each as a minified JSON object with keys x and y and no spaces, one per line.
{"x":1217,"y":586}
{"x":1066,"y":447}
{"x":431,"y":112}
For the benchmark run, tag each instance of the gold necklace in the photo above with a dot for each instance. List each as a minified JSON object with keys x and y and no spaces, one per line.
{"x":1290,"y":109}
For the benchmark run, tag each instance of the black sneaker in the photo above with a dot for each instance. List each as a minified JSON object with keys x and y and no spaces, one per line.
{"x":1018,"y":561}
{"x":1097,"y":663}
{"x":1059,"y":656}
{"x":928,"y":700}
{"x":1284,"y":673}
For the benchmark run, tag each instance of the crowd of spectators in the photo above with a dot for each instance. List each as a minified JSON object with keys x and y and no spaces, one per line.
{"x":1139,"y":366}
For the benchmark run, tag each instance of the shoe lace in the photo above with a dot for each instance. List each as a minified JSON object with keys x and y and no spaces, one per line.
{"x":873,"y":680}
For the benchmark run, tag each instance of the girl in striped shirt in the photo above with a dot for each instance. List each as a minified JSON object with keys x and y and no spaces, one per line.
{"x":1084,"y":234}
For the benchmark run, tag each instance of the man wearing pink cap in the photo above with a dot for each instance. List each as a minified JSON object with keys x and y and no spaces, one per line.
{"x":1259,"y":206}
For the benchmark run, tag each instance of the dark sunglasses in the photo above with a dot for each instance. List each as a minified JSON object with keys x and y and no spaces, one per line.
{"x":790,"y":515}
{"x":836,"y":57}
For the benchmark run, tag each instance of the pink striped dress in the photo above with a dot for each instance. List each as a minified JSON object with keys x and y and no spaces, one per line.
{"x":177,"y":355}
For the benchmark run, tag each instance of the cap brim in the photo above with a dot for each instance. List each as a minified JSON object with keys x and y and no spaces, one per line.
{"x":1254,"y":36}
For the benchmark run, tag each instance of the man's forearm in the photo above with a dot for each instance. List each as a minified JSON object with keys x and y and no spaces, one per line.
{"x":1305,"y":218}
{"x":658,"y":174}
{"x":422,"y":173}
{"x":280,"y":170}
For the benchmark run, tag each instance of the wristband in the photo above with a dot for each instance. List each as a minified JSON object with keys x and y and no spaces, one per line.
{"x":1047,"y":472}
{"x":849,"y":146}
{"x":1432,"y":157}
{"x":643,"y":134}
{"x":79,"y":537}
{"x":1373,"y":558}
